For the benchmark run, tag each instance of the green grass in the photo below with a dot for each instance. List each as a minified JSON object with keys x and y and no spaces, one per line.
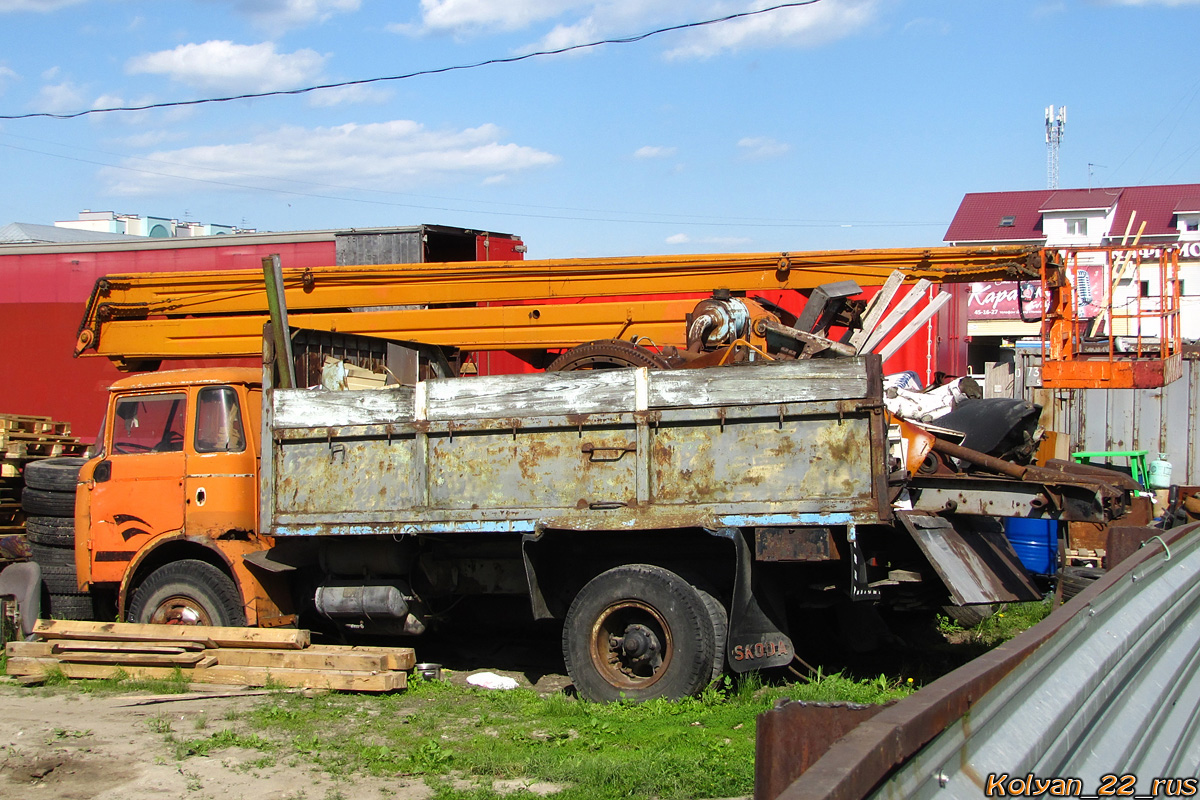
{"x":702,"y":747}
{"x":1009,"y":620}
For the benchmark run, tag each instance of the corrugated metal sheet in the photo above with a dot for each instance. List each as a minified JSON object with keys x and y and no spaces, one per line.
{"x":1116,"y":691}
{"x":1158,"y":420}
{"x":1106,"y":687}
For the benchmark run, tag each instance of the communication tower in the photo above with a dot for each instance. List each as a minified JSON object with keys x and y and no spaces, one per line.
{"x":1055,"y":123}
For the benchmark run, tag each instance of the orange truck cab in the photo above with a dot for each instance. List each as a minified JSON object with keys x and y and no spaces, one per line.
{"x":167,"y":509}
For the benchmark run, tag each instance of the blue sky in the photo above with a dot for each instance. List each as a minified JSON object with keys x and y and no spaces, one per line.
{"x":842,"y":124}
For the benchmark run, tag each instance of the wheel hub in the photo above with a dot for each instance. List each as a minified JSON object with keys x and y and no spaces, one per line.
{"x":180,"y":611}
{"x":631,"y":645}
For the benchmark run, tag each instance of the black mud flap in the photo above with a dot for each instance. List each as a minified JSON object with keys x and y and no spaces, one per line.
{"x":972,"y":557}
{"x":755,"y":642}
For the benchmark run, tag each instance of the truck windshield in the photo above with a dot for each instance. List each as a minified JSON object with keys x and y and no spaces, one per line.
{"x":149,"y":424}
{"x":219,"y":421}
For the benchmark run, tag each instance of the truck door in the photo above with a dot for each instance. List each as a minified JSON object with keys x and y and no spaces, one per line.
{"x":136,"y":492}
{"x":220,"y":489}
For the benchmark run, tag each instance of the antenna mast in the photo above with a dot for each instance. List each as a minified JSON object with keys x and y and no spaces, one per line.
{"x":1055,"y":123}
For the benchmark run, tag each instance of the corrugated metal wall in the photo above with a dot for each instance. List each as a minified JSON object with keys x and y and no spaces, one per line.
{"x":1158,"y":420}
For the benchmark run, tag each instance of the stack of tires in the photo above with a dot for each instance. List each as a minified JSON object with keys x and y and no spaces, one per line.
{"x":48,"y":501}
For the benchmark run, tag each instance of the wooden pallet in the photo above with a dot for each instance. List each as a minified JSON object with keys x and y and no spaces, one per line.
{"x":23,"y":445}
{"x":31,"y":424}
{"x":238,"y":656}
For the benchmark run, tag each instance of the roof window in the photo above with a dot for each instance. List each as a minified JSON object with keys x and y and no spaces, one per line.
{"x":1008,"y":221}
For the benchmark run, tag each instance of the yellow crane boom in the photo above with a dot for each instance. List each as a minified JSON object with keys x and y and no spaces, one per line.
{"x":167,"y":315}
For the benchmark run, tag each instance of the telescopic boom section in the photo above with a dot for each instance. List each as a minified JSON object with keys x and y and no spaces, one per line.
{"x":221,"y":313}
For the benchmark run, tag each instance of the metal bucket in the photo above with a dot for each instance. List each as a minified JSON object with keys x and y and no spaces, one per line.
{"x":429,"y":672}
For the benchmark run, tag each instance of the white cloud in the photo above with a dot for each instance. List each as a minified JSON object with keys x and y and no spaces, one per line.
{"x":762,"y":147}
{"x":35,"y":5}
{"x":224,"y":66}
{"x":651,"y":151}
{"x":348,"y":95}
{"x":807,"y":26}
{"x":461,"y":16}
{"x":59,"y":97}
{"x":678,"y":238}
{"x":582,"y":21}
{"x":384,"y":156}
{"x":280,"y":15}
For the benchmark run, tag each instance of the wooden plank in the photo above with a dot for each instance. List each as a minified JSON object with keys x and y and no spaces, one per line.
{"x":132,"y":659}
{"x":73,"y":646}
{"x":317,"y":659}
{"x":906,"y":333}
{"x":282,"y":638}
{"x":906,"y":304}
{"x":402,"y":658}
{"x":876,"y":309}
{"x":28,"y":650}
{"x":236,"y":676}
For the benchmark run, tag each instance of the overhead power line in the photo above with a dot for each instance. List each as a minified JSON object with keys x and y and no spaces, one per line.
{"x":440,"y":70}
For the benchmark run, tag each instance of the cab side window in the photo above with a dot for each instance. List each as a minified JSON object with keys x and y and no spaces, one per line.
{"x":219,"y":421}
{"x":151,"y":423}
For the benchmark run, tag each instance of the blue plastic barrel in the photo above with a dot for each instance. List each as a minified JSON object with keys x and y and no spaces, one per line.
{"x":1035,"y":542}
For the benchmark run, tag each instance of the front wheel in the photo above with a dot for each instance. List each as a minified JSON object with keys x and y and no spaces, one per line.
{"x":638,"y":632}
{"x":188,"y":592}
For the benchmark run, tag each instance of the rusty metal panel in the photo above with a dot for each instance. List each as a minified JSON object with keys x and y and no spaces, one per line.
{"x":581,"y":451}
{"x":795,"y":544}
{"x":976,"y":564}
{"x":790,"y":738}
{"x":533,"y":470}
{"x":331,"y":477}
{"x":764,"y":460}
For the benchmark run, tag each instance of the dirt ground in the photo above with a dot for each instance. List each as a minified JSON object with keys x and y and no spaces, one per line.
{"x":62,"y":744}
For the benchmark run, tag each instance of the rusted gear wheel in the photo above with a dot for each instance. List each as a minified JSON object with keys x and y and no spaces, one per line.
{"x":607,"y":354}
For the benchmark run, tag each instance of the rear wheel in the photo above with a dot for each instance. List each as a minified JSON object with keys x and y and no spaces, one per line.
{"x":638,"y":632}
{"x":188,"y":592}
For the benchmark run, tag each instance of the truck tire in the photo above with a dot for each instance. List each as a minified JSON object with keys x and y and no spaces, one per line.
{"x":69,"y":606}
{"x":1075,"y":579}
{"x":59,"y":578}
{"x":637,"y":632}
{"x":188,"y":592}
{"x":44,"y":503}
{"x":720,"y":623}
{"x":53,"y":531}
{"x":54,"y":474}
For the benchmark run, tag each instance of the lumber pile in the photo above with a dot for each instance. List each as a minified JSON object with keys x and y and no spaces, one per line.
{"x":237,"y":656}
{"x":24,"y":437}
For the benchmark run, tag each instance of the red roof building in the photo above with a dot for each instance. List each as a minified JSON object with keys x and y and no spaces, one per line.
{"x":1148,"y":217}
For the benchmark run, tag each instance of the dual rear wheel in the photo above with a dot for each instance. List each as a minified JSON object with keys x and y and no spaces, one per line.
{"x":639,"y":631}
